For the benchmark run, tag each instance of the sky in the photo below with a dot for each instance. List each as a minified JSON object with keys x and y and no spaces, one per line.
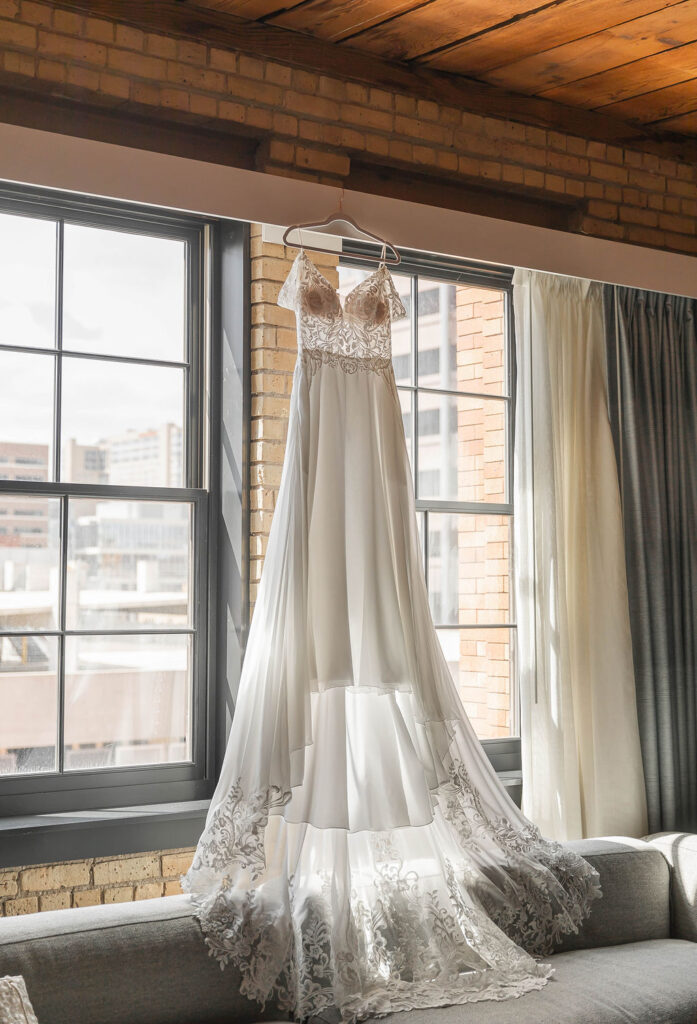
{"x":123,"y":295}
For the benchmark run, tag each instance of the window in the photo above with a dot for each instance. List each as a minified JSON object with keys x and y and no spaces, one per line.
{"x":104,"y":638}
{"x":452,"y":358}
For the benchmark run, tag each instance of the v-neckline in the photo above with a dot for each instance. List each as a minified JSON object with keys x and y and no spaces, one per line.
{"x":380,"y":270}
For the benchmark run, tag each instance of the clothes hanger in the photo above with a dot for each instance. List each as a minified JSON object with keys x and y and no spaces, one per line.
{"x":339,"y":217}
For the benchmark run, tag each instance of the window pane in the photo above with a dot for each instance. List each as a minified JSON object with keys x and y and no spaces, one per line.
{"x":29,"y":702}
{"x":27,"y":281}
{"x":469,"y":568}
{"x":29,"y":562}
{"x":122,"y":424}
{"x":26,"y":416}
{"x":124,"y":294}
{"x":127,"y":700}
{"x":462,"y":448}
{"x":482,"y":664}
{"x":401,"y":334}
{"x":437,"y":334}
{"x":349,"y":278}
{"x":406,"y":401}
{"x":129,"y":564}
{"x":461,"y":338}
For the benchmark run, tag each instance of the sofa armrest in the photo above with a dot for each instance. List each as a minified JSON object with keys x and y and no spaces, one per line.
{"x":680,"y":850}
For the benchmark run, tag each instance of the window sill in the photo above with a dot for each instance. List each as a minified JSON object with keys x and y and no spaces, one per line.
{"x":50,"y":838}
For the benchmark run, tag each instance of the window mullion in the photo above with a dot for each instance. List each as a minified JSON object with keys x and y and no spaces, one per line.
{"x":425,"y":528}
{"x":415,"y":380}
{"x":58,"y":370}
{"x":62,"y":616}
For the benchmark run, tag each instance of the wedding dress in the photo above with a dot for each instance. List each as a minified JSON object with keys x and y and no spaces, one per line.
{"x":360,"y":852}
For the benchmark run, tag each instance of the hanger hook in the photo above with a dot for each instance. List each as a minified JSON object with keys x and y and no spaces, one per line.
{"x":341,"y":200}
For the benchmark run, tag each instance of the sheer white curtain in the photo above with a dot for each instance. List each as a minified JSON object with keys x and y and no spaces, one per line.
{"x":582,"y":769}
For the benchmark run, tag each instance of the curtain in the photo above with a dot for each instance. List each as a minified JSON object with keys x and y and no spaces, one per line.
{"x":652,"y":379}
{"x":582,"y":769}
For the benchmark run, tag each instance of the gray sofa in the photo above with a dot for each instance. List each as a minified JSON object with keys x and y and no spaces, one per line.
{"x":145,"y":963}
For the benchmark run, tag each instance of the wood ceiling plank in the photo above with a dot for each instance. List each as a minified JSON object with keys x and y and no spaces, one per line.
{"x":541,"y":30}
{"x":601,"y":51}
{"x":302,"y":51}
{"x":641,"y":76}
{"x":327,"y":19}
{"x":436,"y":23}
{"x":249,"y":9}
{"x":685,"y":124}
{"x":658,"y":105}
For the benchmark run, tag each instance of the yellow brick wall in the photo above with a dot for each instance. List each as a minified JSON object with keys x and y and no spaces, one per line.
{"x":274,"y":351}
{"x":86,"y":883}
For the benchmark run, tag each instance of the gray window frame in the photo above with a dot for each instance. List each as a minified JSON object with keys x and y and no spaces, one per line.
{"x":504,"y":752}
{"x":150,"y":784}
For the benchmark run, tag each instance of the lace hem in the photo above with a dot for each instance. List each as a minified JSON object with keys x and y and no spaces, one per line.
{"x":408,"y":950}
{"x":310,"y":943}
{"x":547,"y":890}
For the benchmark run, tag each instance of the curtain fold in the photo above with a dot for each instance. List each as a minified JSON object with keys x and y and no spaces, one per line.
{"x":582,"y":767}
{"x":652,"y":380}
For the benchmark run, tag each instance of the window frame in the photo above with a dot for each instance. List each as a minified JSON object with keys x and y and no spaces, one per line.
{"x":504,"y":752}
{"x":114,"y":786}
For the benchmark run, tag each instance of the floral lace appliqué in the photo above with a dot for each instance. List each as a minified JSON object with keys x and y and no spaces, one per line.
{"x":355,"y":336}
{"x":546,"y":890}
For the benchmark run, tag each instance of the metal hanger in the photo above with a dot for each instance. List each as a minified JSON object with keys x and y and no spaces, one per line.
{"x":339,"y":217}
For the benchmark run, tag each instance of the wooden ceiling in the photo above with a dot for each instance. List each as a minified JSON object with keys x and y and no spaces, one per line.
{"x":634,"y":60}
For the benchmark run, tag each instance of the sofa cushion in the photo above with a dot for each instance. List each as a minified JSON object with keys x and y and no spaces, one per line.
{"x":651,"y":982}
{"x":128,"y":963}
{"x":635,"y":905}
{"x":680,"y":850}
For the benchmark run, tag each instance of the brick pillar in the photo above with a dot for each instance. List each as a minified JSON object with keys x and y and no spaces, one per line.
{"x":274,"y":352}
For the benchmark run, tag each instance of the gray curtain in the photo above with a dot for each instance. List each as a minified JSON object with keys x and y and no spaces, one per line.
{"x":652,"y":385}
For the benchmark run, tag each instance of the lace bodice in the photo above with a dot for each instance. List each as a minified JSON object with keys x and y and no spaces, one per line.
{"x":360,"y":329}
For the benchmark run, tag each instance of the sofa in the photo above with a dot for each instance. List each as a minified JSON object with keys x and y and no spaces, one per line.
{"x":633,"y":962}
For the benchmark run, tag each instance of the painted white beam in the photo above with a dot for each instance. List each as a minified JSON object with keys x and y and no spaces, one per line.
{"x":118,"y":172}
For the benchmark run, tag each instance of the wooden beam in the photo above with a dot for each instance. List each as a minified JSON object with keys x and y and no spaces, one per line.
{"x":553,"y":24}
{"x":327,"y":19}
{"x":451,"y":192}
{"x":621,"y":83}
{"x":618,"y":46}
{"x":660,"y":104}
{"x":266,"y":41}
{"x":683,"y":123}
{"x":434,"y":25}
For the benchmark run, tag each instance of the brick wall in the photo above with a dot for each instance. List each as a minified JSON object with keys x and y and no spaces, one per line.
{"x":484,"y":670}
{"x":314,"y":126}
{"x":86,"y":883}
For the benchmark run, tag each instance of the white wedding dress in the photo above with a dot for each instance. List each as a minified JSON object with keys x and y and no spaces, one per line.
{"x":360,"y":852}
